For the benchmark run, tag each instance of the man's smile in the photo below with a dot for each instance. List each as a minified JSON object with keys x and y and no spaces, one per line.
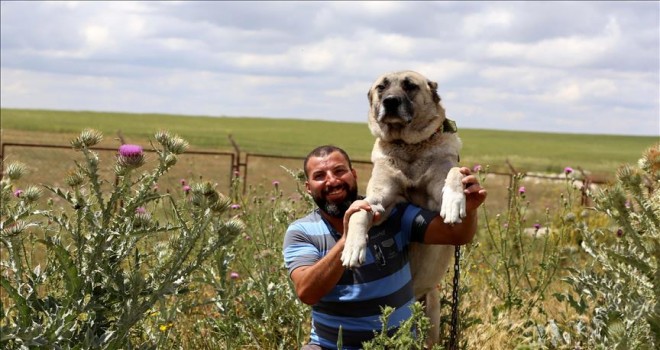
{"x":335,"y":193}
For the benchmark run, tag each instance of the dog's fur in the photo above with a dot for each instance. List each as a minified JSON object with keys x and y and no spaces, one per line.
{"x":414,"y":161}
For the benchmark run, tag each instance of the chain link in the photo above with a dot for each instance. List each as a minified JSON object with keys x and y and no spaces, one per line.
{"x":453,"y":336}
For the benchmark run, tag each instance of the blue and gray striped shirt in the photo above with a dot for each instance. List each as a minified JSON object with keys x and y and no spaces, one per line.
{"x":383,"y":280}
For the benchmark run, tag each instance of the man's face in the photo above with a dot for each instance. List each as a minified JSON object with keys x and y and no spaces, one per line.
{"x":331,"y":183}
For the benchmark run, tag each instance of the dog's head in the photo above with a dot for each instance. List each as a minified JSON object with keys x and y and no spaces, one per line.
{"x":404,"y":106}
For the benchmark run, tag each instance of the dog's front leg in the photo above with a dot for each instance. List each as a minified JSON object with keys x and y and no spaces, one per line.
{"x":355,"y":248}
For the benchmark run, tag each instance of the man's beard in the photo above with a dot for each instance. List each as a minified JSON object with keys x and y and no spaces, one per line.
{"x":337,"y":210}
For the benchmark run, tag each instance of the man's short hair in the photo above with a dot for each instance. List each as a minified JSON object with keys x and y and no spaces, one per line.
{"x":322,"y":151}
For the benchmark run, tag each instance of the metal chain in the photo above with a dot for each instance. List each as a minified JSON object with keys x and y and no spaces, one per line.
{"x":453,"y":335}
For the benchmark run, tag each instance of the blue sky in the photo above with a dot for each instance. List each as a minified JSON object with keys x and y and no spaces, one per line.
{"x":580,"y":67}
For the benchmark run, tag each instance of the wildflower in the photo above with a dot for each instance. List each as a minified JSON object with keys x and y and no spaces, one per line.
{"x":537,"y":226}
{"x":236,"y":173}
{"x":130,"y":156}
{"x":140,"y":210}
{"x":477,"y":168}
{"x":619,"y":232}
{"x":155,"y":187}
{"x":186,"y":189}
{"x":521,"y":190}
{"x":568,"y":170}
{"x":276,"y":184}
{"x":235,"y":206}
{"x":18,"y":193}
{"x":130,"y":150}
{"x":164,"y":327}
{"x":183,"y":182}
{"x":234,"y":275}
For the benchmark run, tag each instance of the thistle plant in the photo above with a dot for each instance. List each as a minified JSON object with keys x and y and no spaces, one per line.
{"x":522,"y":262}
{"x":104,"y":271}
{"x":411,"y":333}
{"x":615,"y":296}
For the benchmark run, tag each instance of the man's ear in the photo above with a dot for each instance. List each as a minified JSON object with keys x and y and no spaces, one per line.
{"x":307,"y":187}
{"x":354,"y":173}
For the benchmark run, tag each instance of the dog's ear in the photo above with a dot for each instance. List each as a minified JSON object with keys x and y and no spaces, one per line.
{"x":434,"y":90}
{"x":369,"y":96}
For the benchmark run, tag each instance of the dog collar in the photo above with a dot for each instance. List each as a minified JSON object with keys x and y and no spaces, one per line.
{"x":448,"y":126}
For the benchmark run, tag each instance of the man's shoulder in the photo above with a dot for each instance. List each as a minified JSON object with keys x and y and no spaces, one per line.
{"x":311,"y":218}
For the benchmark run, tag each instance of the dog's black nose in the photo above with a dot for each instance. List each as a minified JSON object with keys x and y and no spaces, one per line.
{"x":391,"y":102}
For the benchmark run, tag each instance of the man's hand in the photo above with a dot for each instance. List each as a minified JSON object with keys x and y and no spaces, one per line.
{"x":356,"y":206}
{"x":475,"y":195}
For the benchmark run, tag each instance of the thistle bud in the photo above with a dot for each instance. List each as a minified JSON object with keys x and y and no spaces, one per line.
{"x":15,"y":170}
{"x":86,"y":139}
{"x":74,"y":179}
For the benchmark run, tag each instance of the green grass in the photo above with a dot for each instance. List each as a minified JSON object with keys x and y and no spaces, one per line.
{"x":527,"y":151}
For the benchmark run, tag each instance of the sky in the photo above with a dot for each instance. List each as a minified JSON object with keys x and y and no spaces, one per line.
{"x":570,"y":67}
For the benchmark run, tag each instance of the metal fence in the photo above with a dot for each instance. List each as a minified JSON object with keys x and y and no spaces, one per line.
{"x":248,"y":166}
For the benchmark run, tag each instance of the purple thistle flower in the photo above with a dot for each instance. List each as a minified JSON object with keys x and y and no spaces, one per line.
{"x":477,"y":168}
{"x":276,"y":184}
{"x":619,"y":232}
{"x":234,"y":275}
{"x":18,"y":193}
{"x":140,"y":210}
{"x":130,"y":150}
{"x":130,"y":156}
{"x":537,"y":226}
{"x":521,"y":190}
{"x":186,"y":188}
{"x":183,"y":182}
{"x":235,"y":206}
{"x":568,"y":170}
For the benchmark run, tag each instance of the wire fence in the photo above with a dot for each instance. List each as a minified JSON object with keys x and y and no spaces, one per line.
{"x":254,"y":169}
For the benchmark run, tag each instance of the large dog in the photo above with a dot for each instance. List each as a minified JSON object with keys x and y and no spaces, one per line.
{"x":414,"y":160}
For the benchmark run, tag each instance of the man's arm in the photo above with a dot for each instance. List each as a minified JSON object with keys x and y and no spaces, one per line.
{"x":438,"y":232}
{"x":314,"y":281}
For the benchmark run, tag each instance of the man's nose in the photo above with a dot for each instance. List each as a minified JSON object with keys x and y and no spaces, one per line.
{"x":331,"y":178}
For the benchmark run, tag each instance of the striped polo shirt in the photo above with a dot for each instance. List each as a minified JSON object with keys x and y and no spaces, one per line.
{"x":384,"y":279}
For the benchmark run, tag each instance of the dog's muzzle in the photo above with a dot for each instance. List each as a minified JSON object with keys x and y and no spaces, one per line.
{"x":395,"y":110}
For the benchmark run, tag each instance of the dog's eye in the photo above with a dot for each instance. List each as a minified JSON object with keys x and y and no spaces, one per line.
{"x":380,"y":87}
{"x":408,"y":86}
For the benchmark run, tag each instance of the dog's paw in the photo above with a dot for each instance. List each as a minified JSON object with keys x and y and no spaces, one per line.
{"x":355,"y":251}
{"x":453,"y":206}
{"x":355,"y":247}
{"x":452,"y":209}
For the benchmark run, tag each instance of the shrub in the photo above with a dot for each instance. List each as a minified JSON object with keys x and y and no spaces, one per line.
{"x":109,"y":263}
{"x":615,"y":296}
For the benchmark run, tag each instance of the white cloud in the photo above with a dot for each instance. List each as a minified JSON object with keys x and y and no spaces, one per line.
{"x":521,"y":65}
{"x":571,"y":51}
{"x":481,"y":23}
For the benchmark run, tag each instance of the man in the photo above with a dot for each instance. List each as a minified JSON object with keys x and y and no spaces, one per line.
{"x":353,"y":299}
